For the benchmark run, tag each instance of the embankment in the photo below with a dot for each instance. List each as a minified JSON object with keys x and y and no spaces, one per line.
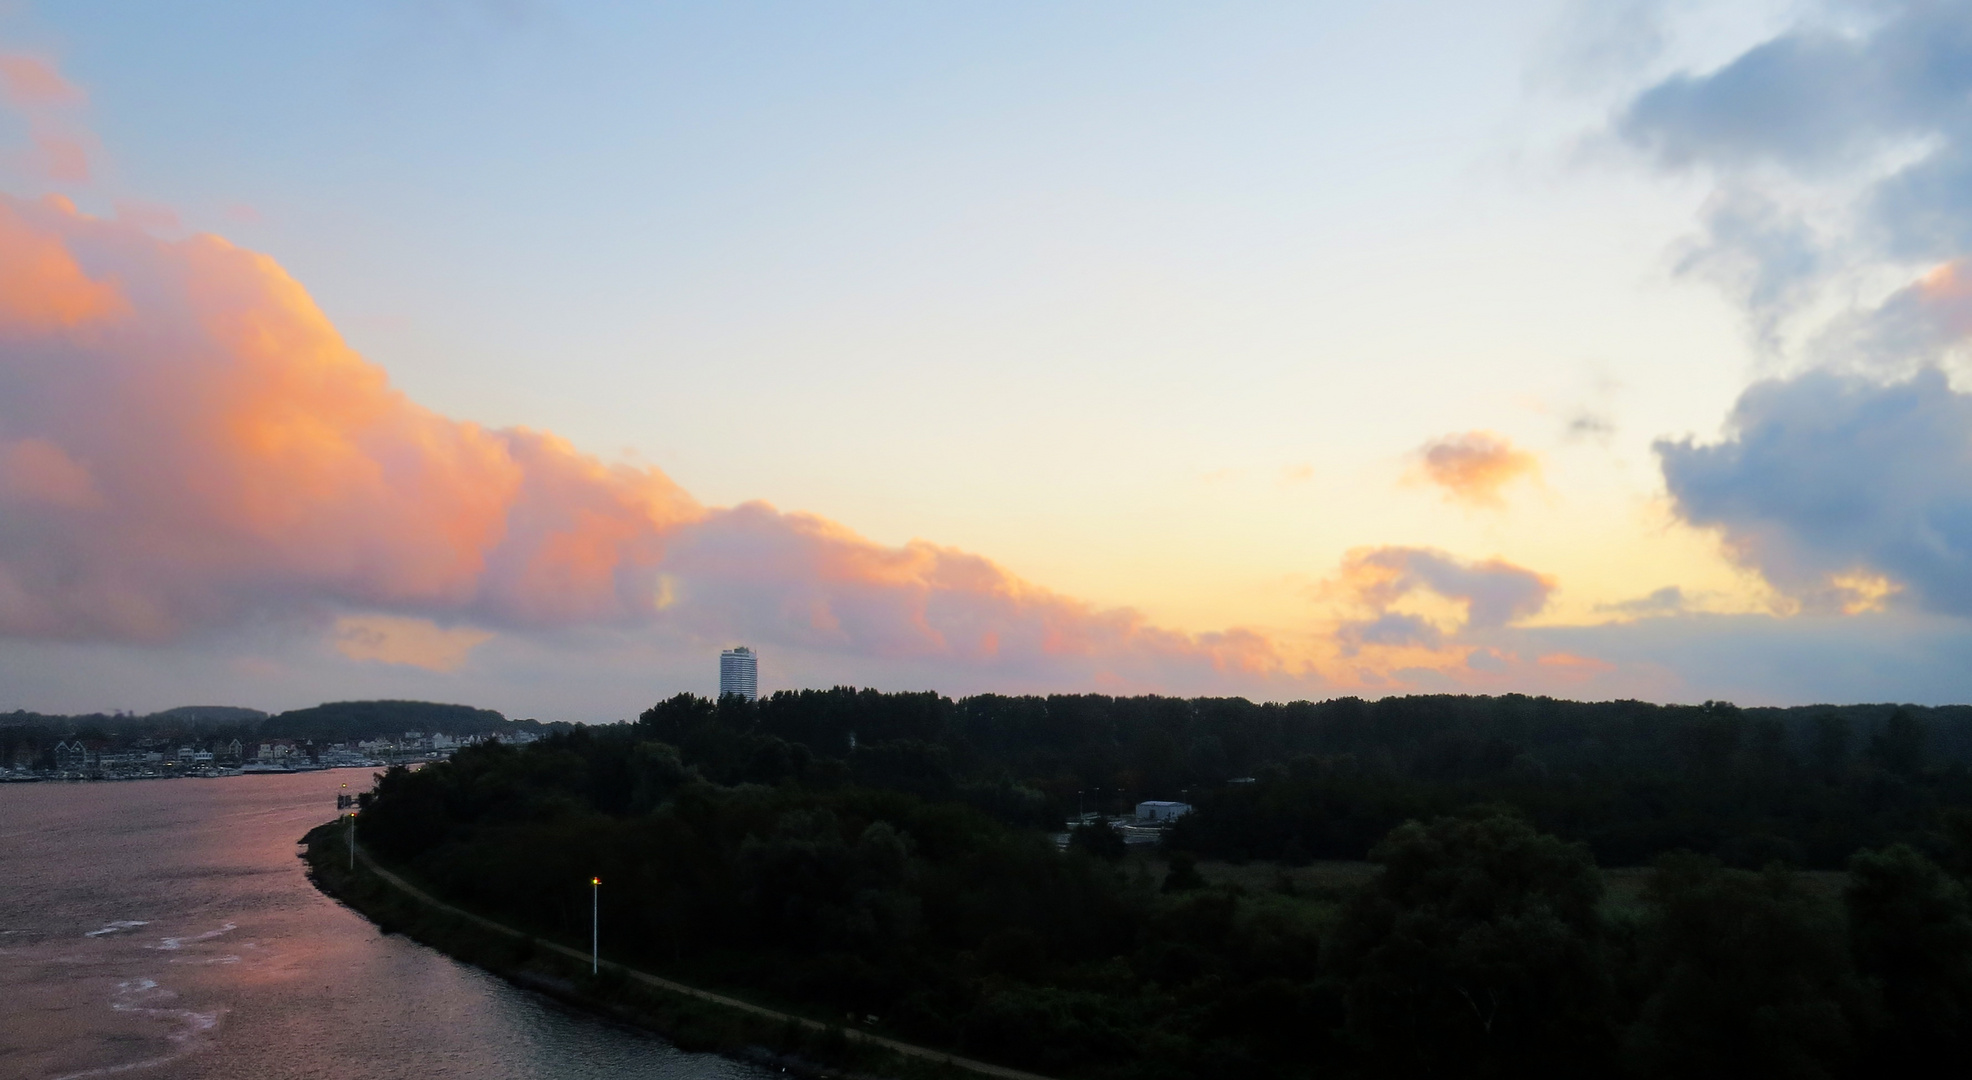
{"x":690,"y":1017}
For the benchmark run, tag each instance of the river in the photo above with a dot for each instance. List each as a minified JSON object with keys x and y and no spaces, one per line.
{"x":165,"y":929}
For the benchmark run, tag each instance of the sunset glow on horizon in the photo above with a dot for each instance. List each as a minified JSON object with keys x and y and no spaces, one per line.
{"x":1023,"y":350}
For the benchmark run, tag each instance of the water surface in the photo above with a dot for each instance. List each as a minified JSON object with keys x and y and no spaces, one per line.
{"x":165,"y":929}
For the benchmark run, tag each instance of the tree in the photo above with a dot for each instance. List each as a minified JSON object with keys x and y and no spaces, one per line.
{"x":1899,"y":747}
{"x":1830,"y":750}
{"x":1476,"y":952}
{"x":1910,"y":931}
{"x":1184,"y":875}
{"x":1743,"y":974}
{"x":1098,"y":838}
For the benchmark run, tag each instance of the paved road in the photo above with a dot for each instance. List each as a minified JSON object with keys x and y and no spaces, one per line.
{"x":648,"y":979}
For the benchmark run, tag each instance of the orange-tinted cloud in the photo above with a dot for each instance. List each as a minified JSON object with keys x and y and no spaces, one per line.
{"x":42,"y":286}
{"x":1472,"y":467}
{"x":194,"y":446}
{"x":30,"y":82}
{"x":244,"y":460}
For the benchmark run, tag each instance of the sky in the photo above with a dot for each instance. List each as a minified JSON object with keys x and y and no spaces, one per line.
{"x":527,"y":354}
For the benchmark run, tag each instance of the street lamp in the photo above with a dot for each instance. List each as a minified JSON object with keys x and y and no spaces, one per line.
{"x":595,"y":924}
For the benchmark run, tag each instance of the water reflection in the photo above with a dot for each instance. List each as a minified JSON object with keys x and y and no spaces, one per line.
{"x":165,"y":929}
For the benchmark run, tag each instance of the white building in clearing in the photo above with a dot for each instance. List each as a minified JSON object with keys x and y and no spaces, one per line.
{"x":739,"y":673}
{"x":1162,"y":811}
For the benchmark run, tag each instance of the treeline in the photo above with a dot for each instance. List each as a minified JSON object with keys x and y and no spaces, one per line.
{"x":898,"y":876}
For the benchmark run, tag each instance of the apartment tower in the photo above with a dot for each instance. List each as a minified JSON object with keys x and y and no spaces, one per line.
{"x":739,"y":673}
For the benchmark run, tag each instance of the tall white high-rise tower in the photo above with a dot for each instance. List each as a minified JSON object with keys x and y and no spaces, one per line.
{"x":739,"y":673}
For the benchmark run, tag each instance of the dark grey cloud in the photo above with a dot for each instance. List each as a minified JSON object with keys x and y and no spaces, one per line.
{"x":1390,"y":628}
{"x":1816,"y":97}
{"x":1868,"y":86}
{"x":1924,"y":211}
{"x":1805,"y":99}
{"x":1828,"y":475}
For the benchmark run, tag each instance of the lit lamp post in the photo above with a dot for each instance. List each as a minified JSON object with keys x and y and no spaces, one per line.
{"x":595,"y":924}
{"x":352,"y":841}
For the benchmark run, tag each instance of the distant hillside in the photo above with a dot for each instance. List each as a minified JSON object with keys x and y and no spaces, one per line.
{"x":335,"y":721}
{"x":209,"y":714}
{"x":341,"y":721}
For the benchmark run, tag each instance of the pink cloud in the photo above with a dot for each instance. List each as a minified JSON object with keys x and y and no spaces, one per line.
{"x":196,"y":447}
{"x":62,"y":157}
{"x":30,"y":82}
{"x":34,"y":87}
{"x":42,"y":286}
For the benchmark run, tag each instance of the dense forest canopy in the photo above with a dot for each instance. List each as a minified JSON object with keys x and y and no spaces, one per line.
{"x":1809,"y":785}
{"x":890,"y":855}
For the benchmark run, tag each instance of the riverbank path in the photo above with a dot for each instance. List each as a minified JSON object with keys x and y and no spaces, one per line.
{"x":982,"y":1067}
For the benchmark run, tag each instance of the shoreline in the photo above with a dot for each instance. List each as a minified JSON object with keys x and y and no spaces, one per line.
{"x":688,"y":1017}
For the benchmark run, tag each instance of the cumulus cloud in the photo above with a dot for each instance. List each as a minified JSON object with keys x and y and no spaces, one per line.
{"x":1842,"y":491}
{"x":1842,"y":151}
{"x":187,"y":445}
{"x":224,"y":454}
{"x":1474,"y":466}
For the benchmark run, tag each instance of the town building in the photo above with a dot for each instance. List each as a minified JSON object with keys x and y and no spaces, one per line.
{"x":1157,"y":810}
{"x":739,"y":673}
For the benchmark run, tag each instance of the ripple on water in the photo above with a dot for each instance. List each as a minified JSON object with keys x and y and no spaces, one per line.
{"x":145,"y":998}
{"x":118,"y":927}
